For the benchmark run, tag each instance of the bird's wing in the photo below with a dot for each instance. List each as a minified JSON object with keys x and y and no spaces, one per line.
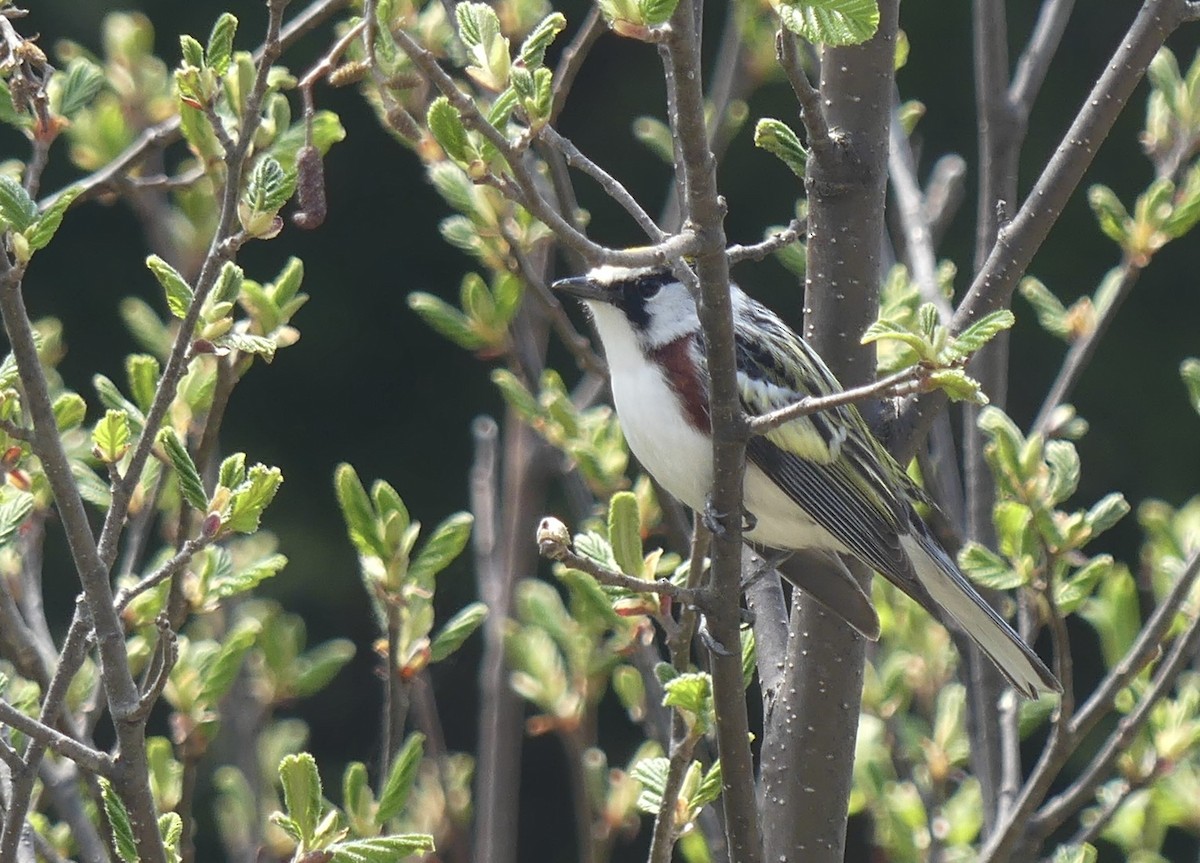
{"x":827,"y":462}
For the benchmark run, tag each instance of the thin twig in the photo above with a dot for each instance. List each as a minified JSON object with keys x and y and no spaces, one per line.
{"x":1034,"y":62}
{"x":168,"y":132}
{"x":918,"y":236}
{"x":1020,"y":239}
{"x":571,"y":61}
{"x":85,"y":756}
{"x":757,"y":251}
{"x":524,"y":185}
{"x":820,"y":137}
{"x":899,"y":383}
{"x":177,"y":562}
{"x":554,"y":549}
{"x":611,"y":186}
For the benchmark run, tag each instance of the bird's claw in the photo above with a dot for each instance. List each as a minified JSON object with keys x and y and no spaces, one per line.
{"x":715,"y":520}
{"x":711,"y":642}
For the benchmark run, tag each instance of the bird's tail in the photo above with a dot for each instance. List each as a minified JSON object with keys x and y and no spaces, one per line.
{"x":949,"y":588}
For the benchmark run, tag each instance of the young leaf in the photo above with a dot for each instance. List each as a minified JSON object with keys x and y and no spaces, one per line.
{"x":189,"y":478}
{"x":777,"y":138}
{"x":110,"y":437}
{"x":320,"y":665}
{"x":358,"y":513}
{"x":1110,"y":213}
{"x":831,"y":22}
{"x":221,"y":672}
{"x":624,"y":533}
{"x":533,"y":49}
{"x":15,"y":505}
{"x":247,"y":578}
{"x":979,"y":334}
{"x":401,"y":778}
{"x":69,"y":411}
{"x":179,"y":293}
{"x":118,"y":820}
{"x":1189,"y":370}
{"x":447,"y":128}
{"x":42,"y":231}
{"x":457,"y":630}
{"x":656,"y":12}
{"x":192,"y":51}
{"x":142,"y":371}
{"x":301,"y":792}
{"x":17,"y":209}
{"x":382,"y":849}
{"x":267,"y":190}
{"x":252,"y":497}
{"x":446,"y":543}
{"x":233,"y":471}
{"x":446,"y":320}
{"x":79,"y":84}
{"x":220,"y":43}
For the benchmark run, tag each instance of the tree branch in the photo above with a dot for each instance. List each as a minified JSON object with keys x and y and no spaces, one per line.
{"x":68,"y":747}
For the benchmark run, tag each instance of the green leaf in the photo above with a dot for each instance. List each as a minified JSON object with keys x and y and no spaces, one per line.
{"x":831,"y":22}
{"x":358,"y":513}
{"x":1107,"y":512}
{"x":709,"y":788}
{"x":625,"y":533}
{"x":456,"y":630}
{"x":1189,"y":370}
{"x":320,"y":665}
{"x":979,"y":334}
{"x":447,"y":128}
{"x":78,"y":85}
{"x":515,"y":394}
{"x":179,"y":293}
{"x":229,"y":283}
{"x":252,"y":497}
{"x":1051,"y":313}
{"x":192,"y":51}
{"x":651,"y":774}
{"x":222,"y":671}
{"x":777,"y":138}
{"x":401,"y":777}
{"x":382,"y":849}
{"x":15,"y":506}
{"x":110,"y":437}
{"x":987,"y":568}
{"x":883,"y":330}
{"x":233,"y":471}
{"x":118,"y":820}
{"x":446,"y":320}
{"x":247,"y":343}
{"x":142,"y":370}
{"x":692,"y":694}
{"x":301,"y":792}
{"x":220,"y":43}
{"x":533,"y":49}
{"x":656,"y":12}
{"x":267,"y":190}
{"x":446,"y":543}
{"x":249,"y":577}
{"x":1110,"y":213}
{"x":170,"y":828}
{"x":42,"y":231}
{"x":185,"y":469}
{"x":111,"y":397}
{"x":69,"y":411}
{"x":17,"y":209}
{"x":1076,"y":853}
{"x":958,"y":385}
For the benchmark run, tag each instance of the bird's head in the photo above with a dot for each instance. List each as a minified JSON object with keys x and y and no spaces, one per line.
{"x":644,"y":308}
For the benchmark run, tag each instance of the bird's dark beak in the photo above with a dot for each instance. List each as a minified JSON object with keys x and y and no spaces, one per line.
{"x":583,"y":288}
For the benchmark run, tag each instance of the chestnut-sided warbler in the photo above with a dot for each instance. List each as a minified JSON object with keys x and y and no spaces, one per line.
{"x":819,"y":482}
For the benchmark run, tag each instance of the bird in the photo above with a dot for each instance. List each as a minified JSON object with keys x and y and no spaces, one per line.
{"x":821,"y":483}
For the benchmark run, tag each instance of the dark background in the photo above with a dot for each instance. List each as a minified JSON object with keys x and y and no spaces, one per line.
{"x":369,"y":384}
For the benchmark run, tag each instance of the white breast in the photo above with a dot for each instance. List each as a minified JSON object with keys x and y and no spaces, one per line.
{"x":678,"y":456}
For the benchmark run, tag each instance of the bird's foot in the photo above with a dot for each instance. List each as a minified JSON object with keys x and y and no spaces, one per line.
{"x":717,"y":522}
{"x":710,"y":641}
